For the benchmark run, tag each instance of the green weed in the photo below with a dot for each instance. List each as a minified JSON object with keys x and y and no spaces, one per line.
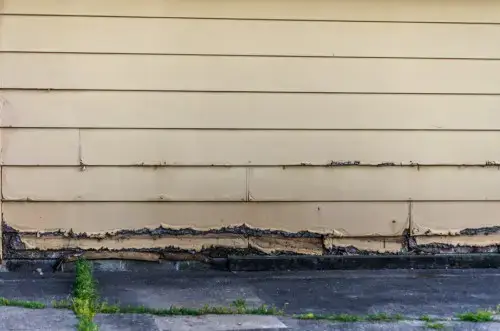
{"x":346,"y":318}
{"x":238,"y":307}
{"x":383,"y":317}
{"x":478,"y":316}
{"x":62,"y":304}
{"x":434,"y":326}
{"x":21,"y":303}
{"x":84,"y":296}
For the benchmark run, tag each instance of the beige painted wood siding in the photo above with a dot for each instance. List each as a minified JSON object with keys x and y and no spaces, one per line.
{"x":348,"y":118}
{"x":248,"y":37}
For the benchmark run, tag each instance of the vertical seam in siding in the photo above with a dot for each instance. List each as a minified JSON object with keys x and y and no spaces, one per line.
{"x":247,"y":186}
{"x":410,"y":217}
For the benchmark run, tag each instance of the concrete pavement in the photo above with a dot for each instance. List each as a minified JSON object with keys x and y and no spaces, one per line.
{"x":413,"y":293}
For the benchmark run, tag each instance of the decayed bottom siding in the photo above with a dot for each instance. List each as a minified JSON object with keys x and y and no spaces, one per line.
{"x":458,"y":244}
{"x":187,"y":243}
{"x":312,"y":228}
{"x":42,"y":229}
{"x":223,"y":241}
{"x":345,"y":219}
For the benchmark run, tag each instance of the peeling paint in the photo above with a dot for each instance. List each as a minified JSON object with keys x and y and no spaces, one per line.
{"x":462,"y":244}
{"x":331,"y":163}
{"x":164,"y":231}
{"x":192,"y":244}
{"x":477,"y":240}
{"x":278,"y":244}
{"x":492,"y":164}
{"x":363,"y":246}
{"x":343,"y":163}
{"x":482,"y":230}
{"x":386,"y":164}
{"x":425,"y":231}
{"x":221,"y":242}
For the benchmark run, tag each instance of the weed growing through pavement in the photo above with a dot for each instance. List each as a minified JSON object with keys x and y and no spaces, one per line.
{"x":85,"y":296}
{"x":62,"y":304}
{"x":238,"y":307}
{"x":22,"y":303}
{"x":383,"y":317}
{"x":85,"y":303}
{"x":434,"y":325}
{"x":478,"y":316}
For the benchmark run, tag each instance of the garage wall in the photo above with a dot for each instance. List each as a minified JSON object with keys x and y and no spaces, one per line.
{"x":352,"y":120}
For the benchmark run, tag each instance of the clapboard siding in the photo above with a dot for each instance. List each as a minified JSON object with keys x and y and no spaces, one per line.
{"x":246,"y":148}
{"x":40,"y":147}
{"x":109,"y":147}
{"x":393,"y":183}
{"x":106,"y":35}
{"x":124,"y":184}
{"x":219,"y":107}
{"x":432,"y":218}
{"x":264,"y":184}
{"x":342,"y":218}
{"x":131,"y":72}
{"x":97,"y":109}
{"x":485,"y":11}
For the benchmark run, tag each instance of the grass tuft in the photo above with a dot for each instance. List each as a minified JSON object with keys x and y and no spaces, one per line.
{"x":308,"y":316}
{"x":21,"y":303}
{"x":347,"y":318}
{"x":478,"y":316}
{"x":434,"y":325}
{"x":383,"y":317}
{"x":239,"y":304}
{"x":238,"y":307}
{"x":62,"y":304}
